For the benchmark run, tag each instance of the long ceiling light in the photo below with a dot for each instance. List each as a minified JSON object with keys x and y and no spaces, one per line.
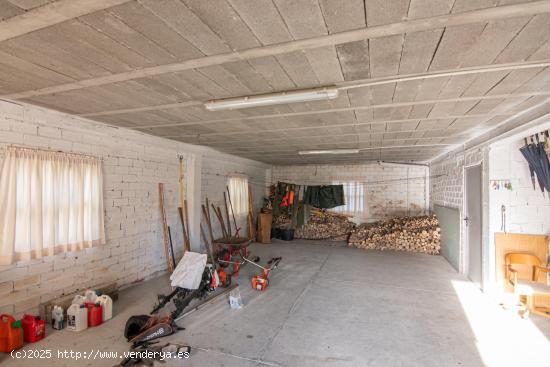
{"x":305,"y":95}
{"x":329,"y":151}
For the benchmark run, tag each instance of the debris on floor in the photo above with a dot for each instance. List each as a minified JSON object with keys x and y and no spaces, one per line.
{"x":325,"y":225}
{"x":412,"y":234}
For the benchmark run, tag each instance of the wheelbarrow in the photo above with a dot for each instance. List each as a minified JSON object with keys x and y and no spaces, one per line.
{"x":231,"y":252}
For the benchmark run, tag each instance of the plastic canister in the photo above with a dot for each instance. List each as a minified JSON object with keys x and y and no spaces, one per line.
{"x":11,"y":334}
{"x":107,"y":303}
{"x":58,"y":320}
{"x":78,"y":300}
{"x":33,"y":328}
{"x":77,"y":317}
{"x":90,"y":296}
{"x":95,"y":314}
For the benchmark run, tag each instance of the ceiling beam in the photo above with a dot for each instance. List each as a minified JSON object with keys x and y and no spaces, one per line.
{"x":360,"y":83}
{"x":350,"y":124}
{"x":51,"y":14}
{"x":230,"y":148}
{"x":294,"y":153}
{"x":414,"y":25}
{"x":346,"y":109}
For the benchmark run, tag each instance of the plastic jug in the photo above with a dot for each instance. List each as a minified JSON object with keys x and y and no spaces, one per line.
{"x":77,"y":317}
{"x":58,"y":320}
{"x":90,"y":296}
{"x":78,"y":300}
{"x":33,"y":328}
{"x":95,"y":314}
{"x":107,"y":303}
{"x":11,"y":334}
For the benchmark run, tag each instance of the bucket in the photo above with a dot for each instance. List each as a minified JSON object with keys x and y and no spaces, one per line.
{"x":287,"y":234}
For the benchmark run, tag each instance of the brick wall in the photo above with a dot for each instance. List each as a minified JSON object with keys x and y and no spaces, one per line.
{"x":392,"y":190}
{"x":216,"y":170}
{"x":527,"y":210}
{"x":133,"y":165}
{"x":447,"y":178}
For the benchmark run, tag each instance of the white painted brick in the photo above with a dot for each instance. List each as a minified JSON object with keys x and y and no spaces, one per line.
{"x":133,"y":165}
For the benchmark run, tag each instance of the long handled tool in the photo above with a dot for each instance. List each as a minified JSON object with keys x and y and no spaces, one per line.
{"x":220,"y":219}
{"x":185,"y":230}
{"x":233,"y":213}
{"x":227,"y":215}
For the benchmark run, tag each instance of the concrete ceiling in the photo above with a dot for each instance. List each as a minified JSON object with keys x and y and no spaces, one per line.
{"x":416,"y":77}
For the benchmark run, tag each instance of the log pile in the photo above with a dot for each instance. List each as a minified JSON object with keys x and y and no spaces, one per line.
{"x":412,"y":234}
{"x":326,"y":226}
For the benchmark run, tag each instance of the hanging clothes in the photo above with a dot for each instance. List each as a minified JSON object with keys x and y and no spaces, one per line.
{"x":325,"y":197}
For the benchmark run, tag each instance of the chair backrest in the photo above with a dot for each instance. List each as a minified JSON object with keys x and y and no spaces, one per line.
{"x":524,"y":263}
{"x":519,"y":258}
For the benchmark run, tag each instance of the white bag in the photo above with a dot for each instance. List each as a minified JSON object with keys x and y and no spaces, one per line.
{"x":188,"y":273}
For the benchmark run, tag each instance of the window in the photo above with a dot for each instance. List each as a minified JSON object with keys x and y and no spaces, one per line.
{"x":355,"y":198}
{"x":51,"y":202}
{"x":238,"y":190}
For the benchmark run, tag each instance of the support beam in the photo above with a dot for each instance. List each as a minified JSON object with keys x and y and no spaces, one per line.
{"x":265,"y":148}
{"x":350,"y":124}
{"x":415,"y":25}
{"x":51,"y":14}
{"x":361,"y":83}
{"x":346,"y":109}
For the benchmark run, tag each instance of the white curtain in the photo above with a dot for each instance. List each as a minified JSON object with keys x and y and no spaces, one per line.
{"x":50,"y":203}
{"x":355,"y":199}
{"x":238,"y":189}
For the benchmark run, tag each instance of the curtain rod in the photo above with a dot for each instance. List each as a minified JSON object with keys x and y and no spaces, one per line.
{"x":54,"y":151}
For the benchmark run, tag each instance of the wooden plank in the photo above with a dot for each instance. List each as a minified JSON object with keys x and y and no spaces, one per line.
{"x":167,"y":251}
{"x":451,"y":20}
{"x":51,"y":14}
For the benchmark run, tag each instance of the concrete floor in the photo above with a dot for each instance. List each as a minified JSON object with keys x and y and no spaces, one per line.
{"x":329,"y":305}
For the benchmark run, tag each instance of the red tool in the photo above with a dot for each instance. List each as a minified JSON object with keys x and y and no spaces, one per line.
{"x":261,"y":281}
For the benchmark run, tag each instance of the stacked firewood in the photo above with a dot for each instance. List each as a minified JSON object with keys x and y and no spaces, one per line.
{"x":413,"y":234}
{"x":324,"y":225}
{"x":282,"y":221}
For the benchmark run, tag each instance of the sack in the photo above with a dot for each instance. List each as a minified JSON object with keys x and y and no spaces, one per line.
{"x":188,"y":273}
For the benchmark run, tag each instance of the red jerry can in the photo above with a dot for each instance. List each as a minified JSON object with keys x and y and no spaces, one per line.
{"x":11,"y":334}
{"x":33,"y":328}
{"x":95,"y":314}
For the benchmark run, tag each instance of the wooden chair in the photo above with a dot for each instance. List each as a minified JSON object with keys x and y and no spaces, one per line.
{"x":526,"y":283}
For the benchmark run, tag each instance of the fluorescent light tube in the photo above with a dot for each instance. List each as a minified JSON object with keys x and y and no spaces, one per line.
{"x":305,"y":95}
{"x":330,"y":151}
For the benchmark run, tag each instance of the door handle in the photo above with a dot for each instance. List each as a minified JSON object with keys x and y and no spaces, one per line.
{"x":466,"y":220}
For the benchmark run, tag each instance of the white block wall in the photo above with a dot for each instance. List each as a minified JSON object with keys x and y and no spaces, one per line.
{"x":447,"y":178}
{"x":133,"y":165}
{"x":527,"y":210}
{"x":217,"y":168}
{"x":392,"y":190}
